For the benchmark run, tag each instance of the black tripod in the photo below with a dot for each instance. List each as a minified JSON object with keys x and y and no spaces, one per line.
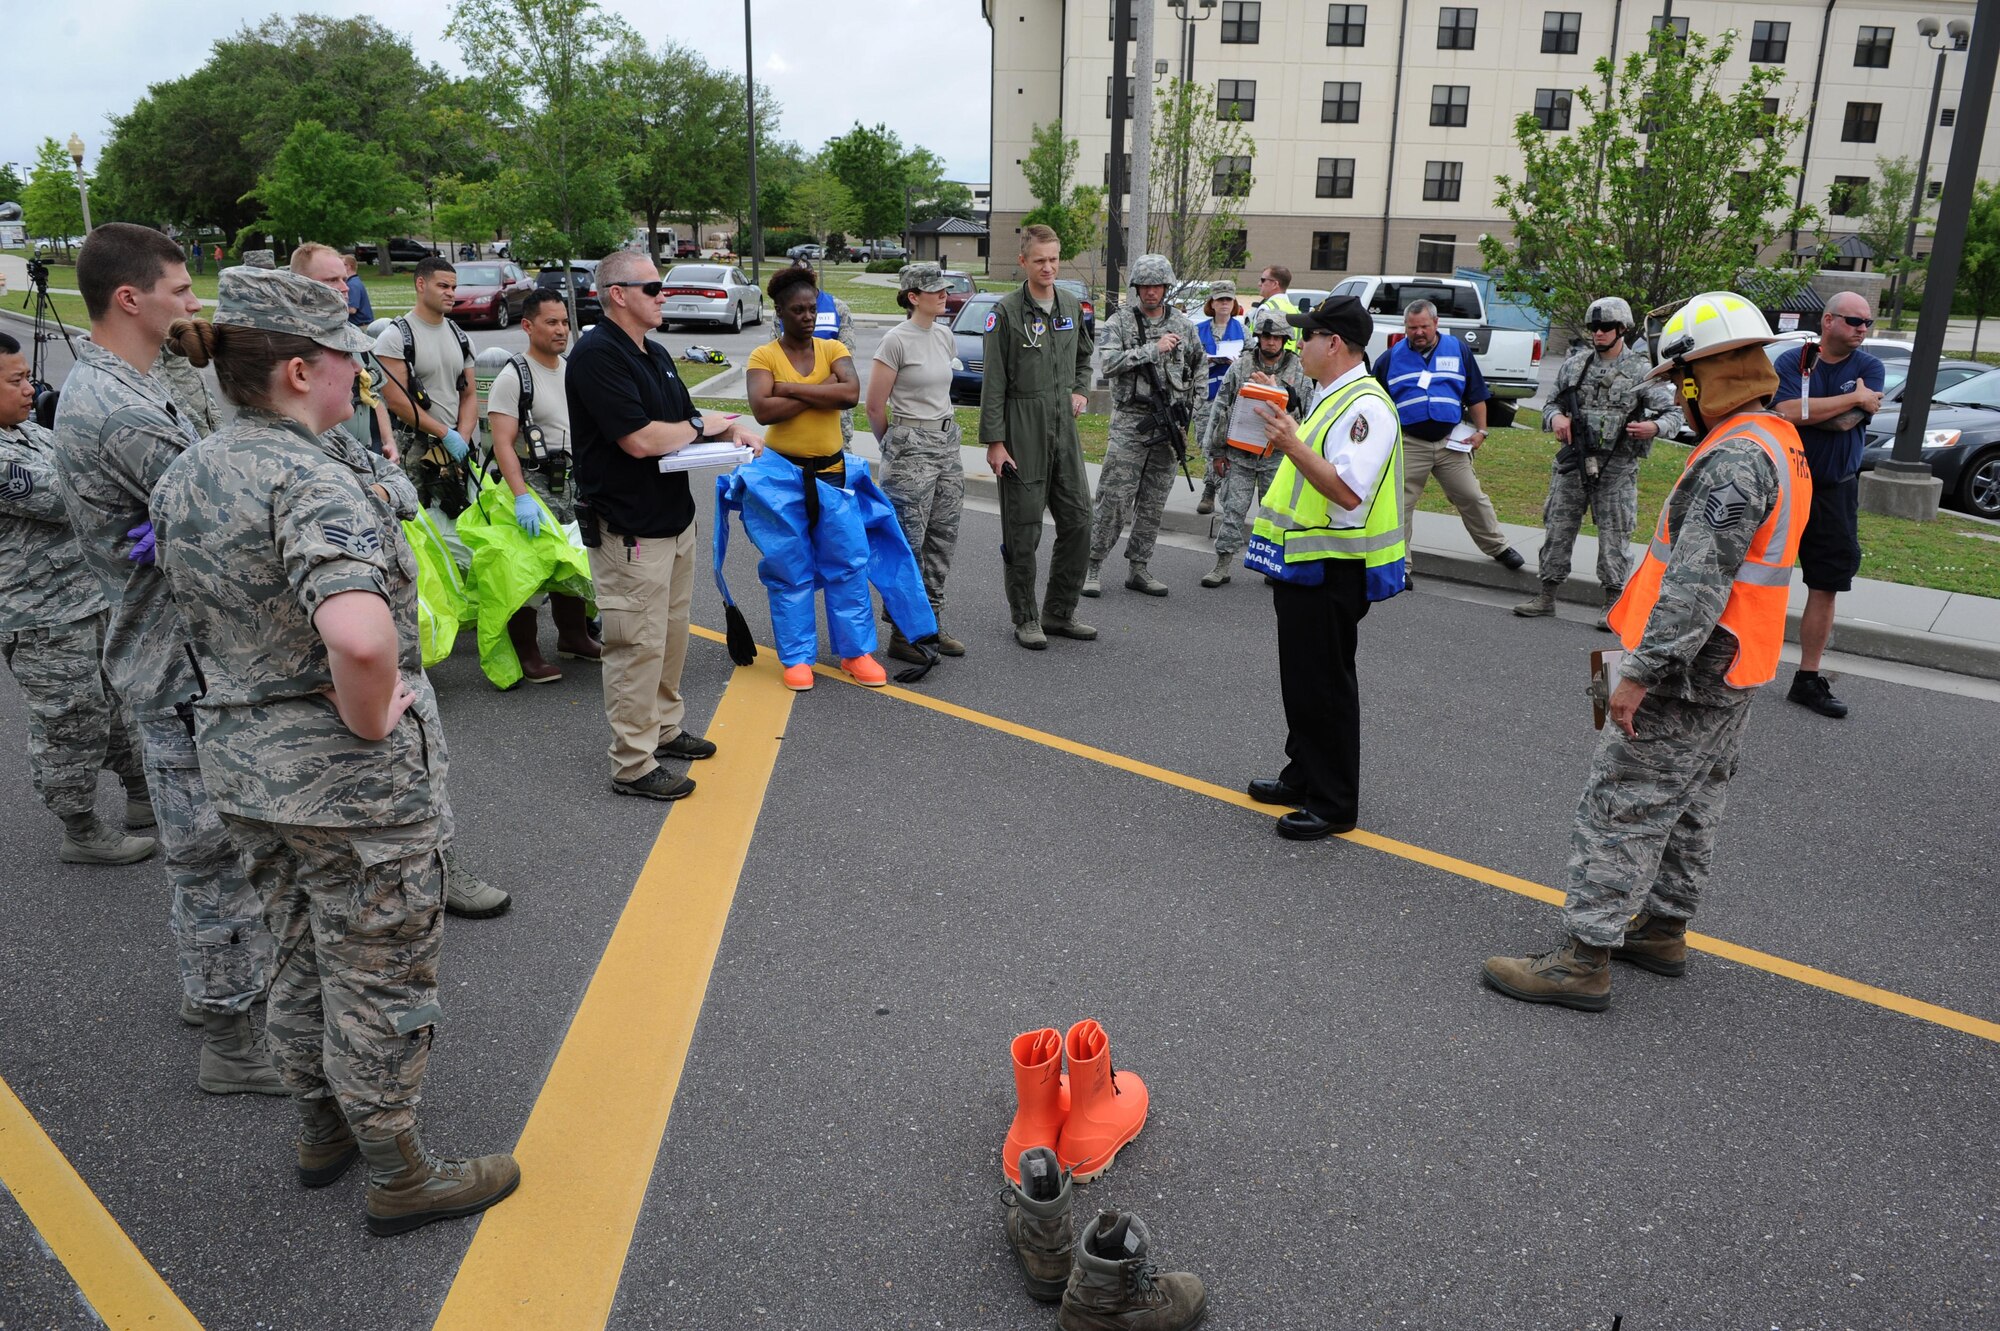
{"x":45,"y":317}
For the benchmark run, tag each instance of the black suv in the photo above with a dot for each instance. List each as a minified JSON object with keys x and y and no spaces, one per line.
{"x":583,"y":272}
{"x":402,"y":249}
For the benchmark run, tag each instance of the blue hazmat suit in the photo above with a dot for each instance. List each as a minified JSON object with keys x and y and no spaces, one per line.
{"x":856,"y":541}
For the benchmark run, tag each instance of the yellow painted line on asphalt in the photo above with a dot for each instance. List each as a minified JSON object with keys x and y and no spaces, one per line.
{"x":552,"y":1254}
{"x":120,"y":1285}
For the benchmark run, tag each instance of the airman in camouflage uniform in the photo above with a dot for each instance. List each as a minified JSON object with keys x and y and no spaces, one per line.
{"x":259,"y":528}
{"x":1606,"y":414}
{"x":51,"y":638}
{"x":117,"y":431}
{"x":1644,"y":838}
{"x":189,"y":390}
{"x":1136,"y":475}
{"x":1246,"y":476}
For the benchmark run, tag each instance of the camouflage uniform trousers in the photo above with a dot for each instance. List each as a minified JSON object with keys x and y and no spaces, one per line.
{"x":1645,"y":828}
{"x":1133,"y":483}
{"x":1242,"y":488}
{"x":1615,"y":507}
{"x":925,"y":480}
{"x":216,"y":918}
{"x":76,"y":725}
{"x":358,"y":914}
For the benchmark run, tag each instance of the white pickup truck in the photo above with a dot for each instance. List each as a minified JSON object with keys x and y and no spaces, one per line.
{"x":1510,"y":359}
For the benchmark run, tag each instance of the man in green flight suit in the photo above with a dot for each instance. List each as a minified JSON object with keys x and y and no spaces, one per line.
{"x":1037,"y":372}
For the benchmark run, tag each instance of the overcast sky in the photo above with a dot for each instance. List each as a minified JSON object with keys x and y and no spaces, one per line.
{"x":918,"y":66}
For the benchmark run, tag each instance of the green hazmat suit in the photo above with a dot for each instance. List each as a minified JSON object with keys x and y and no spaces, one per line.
{"x":1036,"y":358}
{"x":510,"y":568}
{"x":444,"y":601}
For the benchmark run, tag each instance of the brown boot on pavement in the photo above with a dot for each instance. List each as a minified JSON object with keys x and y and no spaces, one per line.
{"x":326,"y":1144}
{"x":1574,"y":975}
{"x":1655,"y":943}
{"x":409,"y":1187}
{"x":521,"y":631}
{"x":1039,"y":1225}
{"x":1113,"y":1287}
{"x":1542,"y":603}
{"x":88,"y":841}
{"x":574,"y":640}
{"x":233,"y":1061}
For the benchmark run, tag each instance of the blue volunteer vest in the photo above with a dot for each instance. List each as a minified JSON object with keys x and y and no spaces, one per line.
{"x":827,"y":322}
{"x":1439,"y":398}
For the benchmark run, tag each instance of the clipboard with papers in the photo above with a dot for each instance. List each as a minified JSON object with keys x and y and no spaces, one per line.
{"x":707,"y":456}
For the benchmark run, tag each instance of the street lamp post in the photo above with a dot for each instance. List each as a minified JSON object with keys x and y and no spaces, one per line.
{"x":82,"y":190}
{"x":1956,"y":33}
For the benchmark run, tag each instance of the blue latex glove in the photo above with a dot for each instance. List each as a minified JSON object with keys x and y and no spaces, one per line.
{"x":142,"y":551}
{"x":454,"y":444}
{"x":528,"y":513}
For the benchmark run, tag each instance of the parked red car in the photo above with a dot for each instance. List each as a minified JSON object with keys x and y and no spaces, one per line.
{"x":490,"y":292}
{"x":962,"y":290}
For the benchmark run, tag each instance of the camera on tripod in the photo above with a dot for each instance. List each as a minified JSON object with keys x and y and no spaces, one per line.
{"x":46,"y":394}
{"x":38,"y":274}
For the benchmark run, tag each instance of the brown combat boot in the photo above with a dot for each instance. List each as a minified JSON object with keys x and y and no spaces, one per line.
{"x":233,"y":1061}
{"x":1574,"y":975}
{"x":326,"y":1143}
{"x":1542,"y":603}
{"x":1113,"y":1287}
{"x":1655,"y":943}
{"x":1039,"y":1225}
{"x":409,"y":1187}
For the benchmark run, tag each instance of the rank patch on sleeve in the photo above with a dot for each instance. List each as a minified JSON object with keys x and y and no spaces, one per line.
{"x":362,"y":542}
{"x":1724,"y":506}
{"x":19,"y":483}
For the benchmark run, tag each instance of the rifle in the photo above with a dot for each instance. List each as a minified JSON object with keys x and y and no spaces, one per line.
{"x":1166,"y":421}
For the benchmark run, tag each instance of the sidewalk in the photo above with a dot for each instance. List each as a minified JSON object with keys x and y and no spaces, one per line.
{"x":1887,"y":621}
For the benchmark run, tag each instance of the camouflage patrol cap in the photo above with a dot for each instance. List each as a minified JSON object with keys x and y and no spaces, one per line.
{"x":260,"y":258}
{"x":1152,"y":270}
{"x":1269,"y":321}
{"x":921,"y":277}
{"x":280,"y":302}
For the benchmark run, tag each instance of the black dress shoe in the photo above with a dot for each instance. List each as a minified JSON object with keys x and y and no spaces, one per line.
{"x":1509,"y":558}
{"x":1276,"y":792}
{"x":1304,"y":826}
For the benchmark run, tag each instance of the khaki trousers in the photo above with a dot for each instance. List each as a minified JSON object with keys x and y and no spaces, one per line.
{"x":645,"y":593}
{"x":1423,"y":458}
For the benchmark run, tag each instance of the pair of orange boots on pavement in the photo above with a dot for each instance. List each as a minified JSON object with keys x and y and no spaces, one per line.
{"x":1085,"y":1117}
{"x":863,"y":670}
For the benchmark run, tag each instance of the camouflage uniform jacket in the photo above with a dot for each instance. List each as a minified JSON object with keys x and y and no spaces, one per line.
{"x":1288,"y":372}
{"x":1129,"y":343}
{"x":1607,"y":397}
{"x":117,"y":431}
{"x":189,"y":390}
{"x":43,"y":581}
{"x":258,"y":526}
{"x":1683,"y":654}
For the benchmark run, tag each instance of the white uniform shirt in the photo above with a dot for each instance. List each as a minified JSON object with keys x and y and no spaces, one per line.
{"x":1357,"y":443}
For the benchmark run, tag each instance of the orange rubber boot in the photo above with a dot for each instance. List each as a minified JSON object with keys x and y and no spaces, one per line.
{"x":799,"y":678}
{"x":1107,"y":1108}
{"x":866,"y":671}
{"x":1042,"y":1093}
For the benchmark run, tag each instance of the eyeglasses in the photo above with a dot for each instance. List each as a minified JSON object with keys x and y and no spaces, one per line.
{"x":649,"y":288}
{"x":1604,"y":327}
{"x":1856,"y":320}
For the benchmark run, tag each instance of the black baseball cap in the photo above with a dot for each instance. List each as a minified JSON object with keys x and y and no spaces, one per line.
{"x":1337,"y":314}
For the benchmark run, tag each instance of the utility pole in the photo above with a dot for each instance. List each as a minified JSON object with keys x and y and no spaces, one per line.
{"x":1121,"y":92}
{"x":1139,"y":222}
{"x":750,"y":124}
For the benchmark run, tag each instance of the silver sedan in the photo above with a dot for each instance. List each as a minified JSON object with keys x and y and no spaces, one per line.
{"x":713,"y":294}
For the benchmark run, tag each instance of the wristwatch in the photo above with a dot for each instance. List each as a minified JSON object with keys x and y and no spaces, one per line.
{"x":700,"y":426}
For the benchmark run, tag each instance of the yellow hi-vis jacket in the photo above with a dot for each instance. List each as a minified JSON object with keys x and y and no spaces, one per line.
{"x":1296,"y":517}
{"x":1283,"y":304}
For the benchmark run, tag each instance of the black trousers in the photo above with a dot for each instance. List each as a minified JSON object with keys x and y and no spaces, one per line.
{"x":1317,"y":632}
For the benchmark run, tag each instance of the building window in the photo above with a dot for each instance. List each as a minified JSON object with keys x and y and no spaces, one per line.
{"x":1457,"y":28}
{"x":1236,"y":99}
{"x":1240,"y":22}
{"x":1933,"y":189}
{"x":1329,"y":251}
{"x":1232,"y":177}
{"x":1340,"y":103}
{"x":1442,"y":181}
{"x":1121,"y":9}
{"x":1559,"y":31}
{"x":1449,"y":102}
{"x":1552,"y":108}
{"x":1336,"y":178}
{"x":1862,"y":121}
{"x":1436,"y":254}
{"x":1871,"y":48}
{"x":1947,"y":117}
{"x":1739,"y":190}
{"x":1347,"y":25}
{"x":1123,"y":185}
{"x":1848,"y":196}
{"x":1232,"y":249}
{"x":1131,"y":86}
{"x":1769,"y":42}
{"x":1680,"y":25}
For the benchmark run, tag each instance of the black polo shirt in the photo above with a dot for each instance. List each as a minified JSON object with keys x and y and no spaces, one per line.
{"x":616,"y":388}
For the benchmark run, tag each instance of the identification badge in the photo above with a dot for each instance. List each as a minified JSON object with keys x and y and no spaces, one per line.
{"x":1447,"y":364}
{"x":1424,"y":379}
{"x":1065,"y":324}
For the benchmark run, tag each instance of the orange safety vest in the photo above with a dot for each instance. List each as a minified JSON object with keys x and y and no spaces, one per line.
{"x":1755,"y":614}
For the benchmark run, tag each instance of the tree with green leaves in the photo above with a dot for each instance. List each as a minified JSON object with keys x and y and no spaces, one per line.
{"x":12,"y":187}
{"x":51,"y":207}
{"x":686,"y":144}
{"x":946,"y":198}
{"x":822,"y":203}
{"x":1672,"y":183}
{"x":1979,"y":270}
{"x":873,"y":165}
{"x":324,"y":186}
{"x":1882,"y":211}
{"x":1200,"y":175}
{"x":1072,"y":211}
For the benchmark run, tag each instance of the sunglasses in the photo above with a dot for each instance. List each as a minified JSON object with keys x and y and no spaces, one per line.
{"x":1604,"y":327}
{"x":649,"y":288}
{"x":1856,"y":320}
